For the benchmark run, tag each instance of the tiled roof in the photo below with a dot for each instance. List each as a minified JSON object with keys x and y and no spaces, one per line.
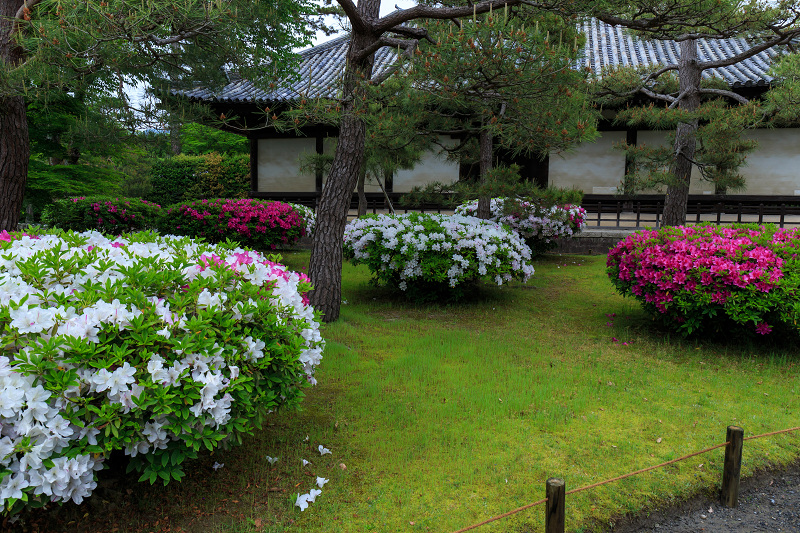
{"x":606,"y":46}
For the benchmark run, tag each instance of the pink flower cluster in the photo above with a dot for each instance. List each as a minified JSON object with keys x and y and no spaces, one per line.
{"x":247,"y":258}
{"x":111,"y":207}
{"x":685,"y":271}
{"x":576,"y":215}
{"x":8,"y":237}
{"x":247,"y":218}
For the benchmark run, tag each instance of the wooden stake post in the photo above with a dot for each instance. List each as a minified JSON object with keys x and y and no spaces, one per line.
{"x":732,"y":467}
{"x":554,"y":513}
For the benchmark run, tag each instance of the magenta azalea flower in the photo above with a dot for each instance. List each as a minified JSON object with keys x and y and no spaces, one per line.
{"x":763,"y":328}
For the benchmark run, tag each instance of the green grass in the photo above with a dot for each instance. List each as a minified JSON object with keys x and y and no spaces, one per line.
{"x":442,"y":416}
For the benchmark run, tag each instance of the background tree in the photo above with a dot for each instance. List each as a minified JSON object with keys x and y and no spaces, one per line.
{"x":686,"y":21}
{"x":52,"y":47}
{"x":720,"y":146}
{"x":500,"y":81}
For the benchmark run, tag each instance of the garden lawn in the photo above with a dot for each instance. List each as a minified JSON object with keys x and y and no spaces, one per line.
{"x":441,"y":417}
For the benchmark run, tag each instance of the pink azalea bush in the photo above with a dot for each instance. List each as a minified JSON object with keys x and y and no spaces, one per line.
{"x":253,"y":223}
{"x":703,"y":277}
{"x":110,"y":215}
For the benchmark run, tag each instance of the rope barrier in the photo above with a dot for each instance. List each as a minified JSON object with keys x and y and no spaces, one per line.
{"x":600,"y":483}
{"x":772,"y":433}
{"x":498,"y":517}
{"x":587,"y":487}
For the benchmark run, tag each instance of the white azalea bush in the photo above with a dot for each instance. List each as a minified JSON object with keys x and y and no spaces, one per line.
{"x":539,"y":225}
{"x":158,"y":346}
{"x":309,"y":217}
{"x":430,"y":255}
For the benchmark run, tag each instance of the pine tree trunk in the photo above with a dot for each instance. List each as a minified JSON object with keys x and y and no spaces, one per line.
{"x":14,"y":145}
{"x":175,"y":141}
{"x":484,"y":201}
{"x":325,"y":267}
{"x":689,"y":74}
{"x":14,"y":154}
{"x":362,"y":197}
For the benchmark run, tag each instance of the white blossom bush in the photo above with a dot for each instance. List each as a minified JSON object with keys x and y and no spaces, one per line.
{"x":427,"y":254}
{"x":158,"y":346}
{"x":540,"y":226}
{"x":308,"y":216}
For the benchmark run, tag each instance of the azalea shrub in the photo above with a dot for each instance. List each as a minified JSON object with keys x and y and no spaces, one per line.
{"x":156,"y":346}
{"x":309,"y":217}
{"x":111,"y":215}
{"x":253,"y":223}
{"x":706,"y":278}
{"x":429,"y":256}
{"x":540,"y":225}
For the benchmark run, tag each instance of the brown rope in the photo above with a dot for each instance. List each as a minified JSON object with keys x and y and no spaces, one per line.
{"x":498,"y":517}
{"x":623,"y":476}
{"x":587,"y":487}
{"x":772,"y":433}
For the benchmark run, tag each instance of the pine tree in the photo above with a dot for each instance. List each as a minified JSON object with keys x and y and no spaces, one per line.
{"x":500,"y":81}
{"x":369,"y":33}
{"x":685,"y":21}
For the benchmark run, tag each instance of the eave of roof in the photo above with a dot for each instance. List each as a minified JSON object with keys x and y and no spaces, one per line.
{"x":606,"y":46}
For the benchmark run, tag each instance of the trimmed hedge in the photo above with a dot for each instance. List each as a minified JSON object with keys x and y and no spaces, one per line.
{"x":185,"y":178}
{"x":111,"y":215}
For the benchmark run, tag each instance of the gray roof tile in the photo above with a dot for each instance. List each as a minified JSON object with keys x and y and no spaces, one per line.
{"x":606,"y":46}
{"x":604,"y":42}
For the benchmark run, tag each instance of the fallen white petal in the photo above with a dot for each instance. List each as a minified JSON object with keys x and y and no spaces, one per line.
{"x":323,"y":450}
{"x":302,"y":501}
{"x":321,"y":481}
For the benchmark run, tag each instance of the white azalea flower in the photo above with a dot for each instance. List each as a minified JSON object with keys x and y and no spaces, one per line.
{"x":323,"y":450}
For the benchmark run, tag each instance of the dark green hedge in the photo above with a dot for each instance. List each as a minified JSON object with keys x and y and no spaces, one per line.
{"x":186,"y":178}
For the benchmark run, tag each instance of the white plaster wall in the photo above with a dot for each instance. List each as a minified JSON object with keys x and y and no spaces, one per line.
{"x":432,"y":167}
{"x":592,"y":167}
{"x":659,"y":138}
{"x":329,"y":147}
{"x":774,"y":167}
{"x":279,"y":165}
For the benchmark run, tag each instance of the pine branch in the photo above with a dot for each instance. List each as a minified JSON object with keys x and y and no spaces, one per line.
{"x":19,"y":16}
{"x":356,"y":20}
{"x":400,"y":17}
{"x":729,"y":94}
